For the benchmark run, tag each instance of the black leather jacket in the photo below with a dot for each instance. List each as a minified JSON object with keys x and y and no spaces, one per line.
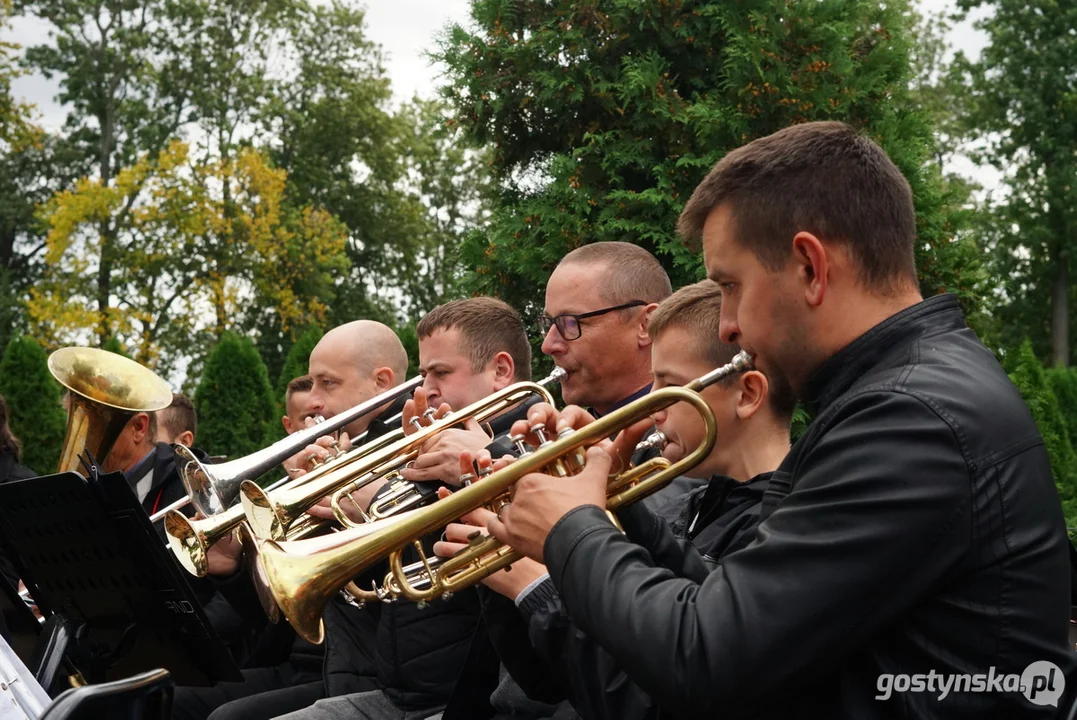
{"x":922,"y":532}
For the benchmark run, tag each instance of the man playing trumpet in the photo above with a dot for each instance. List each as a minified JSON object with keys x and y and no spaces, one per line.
{"x":718,"y":518}
{"x":916,"y":528}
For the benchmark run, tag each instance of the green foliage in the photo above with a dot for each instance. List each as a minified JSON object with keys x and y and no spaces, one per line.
{"x":295,"y":365}
{"x":1027,"y":373}
{"x":1063,"y":383}
{"x":113,"y":344}
{"x":33,"y":398}
{"x":1021,"y":111}
{"x":234,"y":401}
{"x":603,"y":117}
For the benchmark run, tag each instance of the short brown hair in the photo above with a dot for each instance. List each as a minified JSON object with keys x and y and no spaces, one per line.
{"x":487,"y":326}
{"x":179,"y":417}
{"x":632,"y":272}
{"x":8,"y":442}
{"x":820,"y":177}
{"x":303,"y":383}
{"x":697,"y":308}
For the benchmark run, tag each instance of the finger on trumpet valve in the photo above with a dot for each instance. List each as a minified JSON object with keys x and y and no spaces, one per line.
{"x":521,"y":446}
{"x":430,"y":414}
{"x":539,"y":430}
{"x":416,"y":423}
{"x":466,"y":479}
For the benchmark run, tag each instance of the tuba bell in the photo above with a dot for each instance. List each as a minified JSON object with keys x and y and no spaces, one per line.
{"x":105,"y":391}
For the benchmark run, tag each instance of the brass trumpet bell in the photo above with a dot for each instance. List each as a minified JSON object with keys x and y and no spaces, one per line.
{"x":105,"y":391}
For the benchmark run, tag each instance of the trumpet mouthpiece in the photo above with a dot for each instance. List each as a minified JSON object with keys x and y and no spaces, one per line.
{"x":656,"y":440}
{"x":558,"y":374}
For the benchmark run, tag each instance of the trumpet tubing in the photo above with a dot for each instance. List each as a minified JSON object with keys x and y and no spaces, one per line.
{"x":270,"y":514}
{"x":212,"y":488}
{"x":303,"y":575}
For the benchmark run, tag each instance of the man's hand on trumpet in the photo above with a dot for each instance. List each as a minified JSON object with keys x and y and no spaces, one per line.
{"x":439,"y":458}
{"x":417,"y":412}
{"x":509,"y":582}
{"x":322,"y":449}
{"x":541,"y":500}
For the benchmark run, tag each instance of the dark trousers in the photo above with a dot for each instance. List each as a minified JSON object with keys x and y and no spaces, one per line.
{"x":266,"y":693}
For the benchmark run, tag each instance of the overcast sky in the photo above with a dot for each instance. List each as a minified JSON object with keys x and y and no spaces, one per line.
{"x":406,"y":29}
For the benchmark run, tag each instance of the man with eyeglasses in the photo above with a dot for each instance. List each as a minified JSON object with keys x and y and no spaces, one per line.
{"x":594,"y":326}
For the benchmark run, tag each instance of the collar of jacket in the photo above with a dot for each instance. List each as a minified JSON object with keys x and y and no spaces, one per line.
{"x":837,"y":374}
{"x":502,"y":424}
{"x":380,"y":426}
{"x":621,"y":403}
{"x":162,"y":461}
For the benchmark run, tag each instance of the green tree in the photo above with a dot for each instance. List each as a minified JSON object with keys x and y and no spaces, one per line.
{"x":234,"y":400}
{"x":124,"y":72}
{"x":33,"y":398}
{"x":603,"y":117}
{"x":1022,"y":110}
{"x":16,"y":129}
{"x":1063,"y":383}
{"x":331,"y":127}
{"x":1028,"y":374}
{"x":452,"y":180}
{"x":295,"y":365}
{"x":29,"y":175}
{"x":298,"y":359}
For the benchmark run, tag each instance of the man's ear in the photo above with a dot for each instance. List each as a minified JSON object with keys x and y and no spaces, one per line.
{"x":504,"y":370}
{"x":813,"y":267}
{"x":185,"y":438}
{"x":287,"y":423}
{"x":642,"y":336}
{"x":752,"y":393}
{"x":384,"y":378}
{"x":140,"y":426}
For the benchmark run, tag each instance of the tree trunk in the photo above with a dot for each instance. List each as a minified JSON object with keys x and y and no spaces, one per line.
{"x":1060,"y":314}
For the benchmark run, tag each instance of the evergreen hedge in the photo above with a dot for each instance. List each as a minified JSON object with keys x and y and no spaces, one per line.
{"x":34,"y":400}
{"x":295,"y":365}
{"x":1028,"y":374}
{"x":234,"y":400}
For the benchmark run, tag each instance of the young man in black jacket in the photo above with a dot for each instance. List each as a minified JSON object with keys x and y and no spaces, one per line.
{"x":913,"y":535}
{"x":718,"y":518}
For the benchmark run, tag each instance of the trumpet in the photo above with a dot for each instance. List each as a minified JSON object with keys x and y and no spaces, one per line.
{"x":213,"y":488}
{"x":270,"y":515}
{"x":303,"y":575}
{"x":402,"y":494}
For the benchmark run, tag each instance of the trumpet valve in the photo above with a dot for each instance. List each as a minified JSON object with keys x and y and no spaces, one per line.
{"x":521,"y":446}
{"x":539,"y":429}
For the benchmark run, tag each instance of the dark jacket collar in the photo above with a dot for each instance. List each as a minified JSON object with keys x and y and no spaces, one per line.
{"x":838,"y":373}
{"x":163,"y":463}
{"x":10,"y":469}
{"x":380,"y":425}
{"x":621,"y":403}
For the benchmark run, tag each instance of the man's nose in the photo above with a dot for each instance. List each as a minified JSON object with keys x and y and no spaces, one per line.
{"x":553,"y":342}
{"x":728,"y":329}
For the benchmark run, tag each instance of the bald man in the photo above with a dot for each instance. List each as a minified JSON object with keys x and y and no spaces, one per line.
{"x":351,"y":364}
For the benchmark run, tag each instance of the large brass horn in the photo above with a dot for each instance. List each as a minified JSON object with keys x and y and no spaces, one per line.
{"x":213,"y":488}
{"x":105,"y":391}
{"x":271,"y":514}
{"x":304,"y":574}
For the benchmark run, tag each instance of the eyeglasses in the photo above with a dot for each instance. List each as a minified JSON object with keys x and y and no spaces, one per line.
{"x":569,"y":325}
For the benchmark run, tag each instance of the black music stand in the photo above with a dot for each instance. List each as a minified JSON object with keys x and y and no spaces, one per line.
{"x":116,"y":600}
